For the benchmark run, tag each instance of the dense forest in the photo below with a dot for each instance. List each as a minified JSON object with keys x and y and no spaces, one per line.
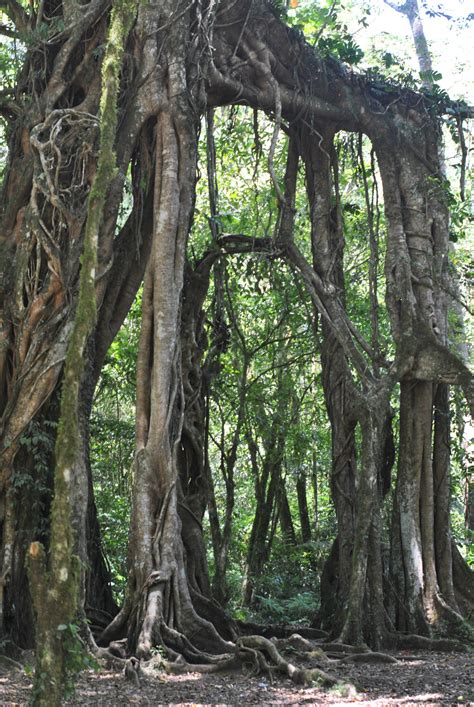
{"x":234,"y":387}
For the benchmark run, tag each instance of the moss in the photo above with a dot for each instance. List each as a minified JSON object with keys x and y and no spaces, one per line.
{"x":55,"y":589}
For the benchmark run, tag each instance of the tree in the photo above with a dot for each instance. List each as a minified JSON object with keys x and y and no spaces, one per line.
{"x":179,"y":61}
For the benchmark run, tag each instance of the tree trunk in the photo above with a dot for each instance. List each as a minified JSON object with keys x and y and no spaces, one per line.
{"x":315,"y":486}
{"x":267,"y":486}
{"x":327,"y":246}
{"x":374,"y":432}
{"x":284,"y":514}
{"x":442,"y":494}
{"x":303,"y":508}
{"x":52,"y":164}
{"x":158,"y":604}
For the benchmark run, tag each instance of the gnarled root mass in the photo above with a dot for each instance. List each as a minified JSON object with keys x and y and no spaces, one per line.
{"x":255,"y":654}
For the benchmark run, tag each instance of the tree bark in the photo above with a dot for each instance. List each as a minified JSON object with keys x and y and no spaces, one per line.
{"x":267,"y":482}
{"x":303,"y":508}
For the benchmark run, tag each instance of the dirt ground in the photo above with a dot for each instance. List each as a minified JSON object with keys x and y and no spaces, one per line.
{"x":419,"y":678}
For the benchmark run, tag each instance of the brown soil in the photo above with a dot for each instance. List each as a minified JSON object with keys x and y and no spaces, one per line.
{"x":419,"y":678}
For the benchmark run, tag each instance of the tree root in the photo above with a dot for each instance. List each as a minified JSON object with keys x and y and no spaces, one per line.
{"x":179,"y":667}
{"x":430,"y":644}
{"x":294,"y":642}
{"x":280,"y":630}
{"x":261,"y":647}
{"x":108,"y":659}
{"x":256,"y":652}
{"x":11,"y":663}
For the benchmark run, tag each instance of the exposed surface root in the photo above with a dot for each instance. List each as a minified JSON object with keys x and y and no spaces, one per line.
{"x":294,"y":642}
{"x":262,"y":648}
{"x":431,"y":644}
{"x":280,"y":630}
{"x":179,"y":667}
{"x":257,"y":654}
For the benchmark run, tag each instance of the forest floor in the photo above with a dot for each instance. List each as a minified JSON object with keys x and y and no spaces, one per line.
{"x":419,"y":678}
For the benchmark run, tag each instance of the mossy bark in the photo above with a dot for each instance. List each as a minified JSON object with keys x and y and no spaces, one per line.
{"x":56,"y":581}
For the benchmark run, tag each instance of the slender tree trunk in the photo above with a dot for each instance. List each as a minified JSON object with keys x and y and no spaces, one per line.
{"x":315,"y":486}
{"x":327,"y":245}
{"x":284,"y":513}
{"x":442,"y":494}
{"x":303,"y":508}
{"x":258,"y":548}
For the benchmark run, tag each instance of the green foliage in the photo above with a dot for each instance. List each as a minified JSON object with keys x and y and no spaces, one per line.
{"x":31,"y":480}
{"x":321,"y":25}
{"x":77,"y":656}
{"x":112,"y":445}
{"x":297,"y":609}
{"x":38,"y":444}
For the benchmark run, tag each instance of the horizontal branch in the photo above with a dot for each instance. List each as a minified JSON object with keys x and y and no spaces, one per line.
{"x":240,"y":243}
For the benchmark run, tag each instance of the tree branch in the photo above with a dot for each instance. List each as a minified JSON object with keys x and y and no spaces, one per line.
{"x":16,"y":13}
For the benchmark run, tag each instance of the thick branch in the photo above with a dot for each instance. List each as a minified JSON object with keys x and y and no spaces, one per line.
{"x":16,"y":13}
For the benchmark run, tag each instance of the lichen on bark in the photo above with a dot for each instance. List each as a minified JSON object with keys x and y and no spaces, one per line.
{"x":55,"y":579}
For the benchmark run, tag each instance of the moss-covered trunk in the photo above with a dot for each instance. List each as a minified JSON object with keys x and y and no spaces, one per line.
{"x":55,"y":579}
{"x":52,"y":163}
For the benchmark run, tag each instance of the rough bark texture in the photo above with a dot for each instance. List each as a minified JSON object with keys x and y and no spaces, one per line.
{"x":46,"y":190}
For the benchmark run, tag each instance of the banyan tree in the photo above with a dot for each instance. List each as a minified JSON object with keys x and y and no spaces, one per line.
{"x":178,"y":61}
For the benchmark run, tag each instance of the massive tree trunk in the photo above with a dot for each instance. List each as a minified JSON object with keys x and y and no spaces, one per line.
{"x":159,"y":605}
{"x":53,"y":156}
{"x":421,"y":548}
{"x":328,"y":249}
